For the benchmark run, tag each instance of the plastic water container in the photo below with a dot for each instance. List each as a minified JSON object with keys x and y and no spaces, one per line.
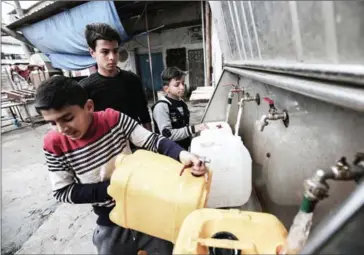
{"x":208,"y":231}
{"x":231,"y":165}
{"x":217,"y":128}
{"x":151,"y":196}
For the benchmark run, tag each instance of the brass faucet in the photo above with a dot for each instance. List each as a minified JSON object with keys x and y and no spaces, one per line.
{"x":273,"y":114}
{"x":316,"y":187}
{"x":248,"y":98}
{"x":235,"y":89}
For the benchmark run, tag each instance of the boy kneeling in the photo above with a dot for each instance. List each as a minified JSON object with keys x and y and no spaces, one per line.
{"x":80,"y":154}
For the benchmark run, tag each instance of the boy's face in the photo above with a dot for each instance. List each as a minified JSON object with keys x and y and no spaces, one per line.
{"x":106,"y":54}
{"x":71,"y":121}
{"x":176,"y":87}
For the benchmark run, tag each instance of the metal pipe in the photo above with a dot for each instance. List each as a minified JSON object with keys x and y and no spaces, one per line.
{"x":20,"y":13}
{"x":7,"y":70}
{"x":330,"y":227}
{"x":240,"y":112}
{"x":227,"y":112}
{"x":246,"y":98}
{"x":230,"y":99}
{"x":203,"y":43}
{"x":237,"y":90}
{"x":16,"y":35}
{"x":208,"y":44}
{"x":348,"y":97}
{"x":149,"y":52}
{"x":18,"y":9}
{"x":344,"y":73}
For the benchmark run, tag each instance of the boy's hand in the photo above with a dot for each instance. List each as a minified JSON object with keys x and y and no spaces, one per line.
{"x":189,"y":159}
{"x":200,"y":127}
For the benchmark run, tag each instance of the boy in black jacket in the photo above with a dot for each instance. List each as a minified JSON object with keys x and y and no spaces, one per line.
{"x":170,"y":114}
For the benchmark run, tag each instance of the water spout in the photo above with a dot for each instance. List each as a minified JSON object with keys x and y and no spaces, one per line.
{"x":263,"y":122}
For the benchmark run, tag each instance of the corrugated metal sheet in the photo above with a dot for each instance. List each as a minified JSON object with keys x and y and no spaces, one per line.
{"x":312,"y":32}
{"x":43,"y":11}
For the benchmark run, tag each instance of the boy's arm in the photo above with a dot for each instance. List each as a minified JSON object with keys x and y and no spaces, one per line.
{"x":148,"y":140}
{"x":162,"y":119}
{"x":66,"y":190}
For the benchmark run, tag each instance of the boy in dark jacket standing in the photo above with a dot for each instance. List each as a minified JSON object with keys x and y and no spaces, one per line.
{"x":111,"y":87}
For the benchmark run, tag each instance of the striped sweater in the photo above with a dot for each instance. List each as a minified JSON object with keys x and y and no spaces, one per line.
{"x":75,"y":166}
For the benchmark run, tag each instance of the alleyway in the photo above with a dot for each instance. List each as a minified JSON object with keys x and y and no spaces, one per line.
{"x":32,"y":221}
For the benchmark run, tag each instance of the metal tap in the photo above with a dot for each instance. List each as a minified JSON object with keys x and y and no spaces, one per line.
{"x":235,"y":89}
{"x":316,"y":188}
{"x":273,"y":114}
{"x":248,"y":98}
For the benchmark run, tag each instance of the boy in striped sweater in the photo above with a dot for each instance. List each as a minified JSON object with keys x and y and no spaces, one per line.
{"x":80,"y":154}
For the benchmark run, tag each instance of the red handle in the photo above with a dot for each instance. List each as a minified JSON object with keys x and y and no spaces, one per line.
{"x":270,"y":101}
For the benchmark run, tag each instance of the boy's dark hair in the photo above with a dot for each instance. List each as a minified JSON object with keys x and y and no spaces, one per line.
{"x":100,"y":31}
{"x":58,"y":92}
{"x":171,"y":72}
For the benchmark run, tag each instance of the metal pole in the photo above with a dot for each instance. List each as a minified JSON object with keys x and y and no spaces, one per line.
{"x":16,"y":35}
{"x":203,"y":43}
{"x":208,"y":44}
{"x":345,"y":96}
{"x":149,"y":52}
{"x":333,"y":72}
{"x":8,"y":72}
{"x":18,"y":9}
{"x":20,"y":12}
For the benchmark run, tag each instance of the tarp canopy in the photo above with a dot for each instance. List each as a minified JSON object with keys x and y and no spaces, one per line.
{"x":62,"y":36}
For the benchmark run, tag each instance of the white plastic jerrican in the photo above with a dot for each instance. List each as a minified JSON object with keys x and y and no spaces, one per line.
{"x":231,"y":167}
{"x":217,"y":128}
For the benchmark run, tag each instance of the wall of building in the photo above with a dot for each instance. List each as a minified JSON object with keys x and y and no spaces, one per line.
{"x":128,"y":64}
{"x":160,"y":42}
{"x":11,"y":48}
